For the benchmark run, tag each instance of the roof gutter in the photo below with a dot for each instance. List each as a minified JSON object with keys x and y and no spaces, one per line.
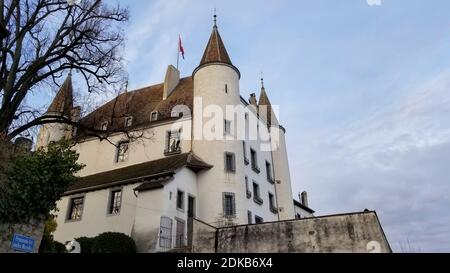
{"x":117,"y":183}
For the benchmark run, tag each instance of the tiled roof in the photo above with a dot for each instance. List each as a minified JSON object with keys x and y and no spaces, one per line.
{"x":63,"y":101}
{"x":139,"y":105}
{"x":215,"y":51}
{"x":264,"y":101}
{"x":152,"y":171}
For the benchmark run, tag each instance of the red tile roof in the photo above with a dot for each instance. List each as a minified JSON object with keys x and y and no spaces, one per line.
{"x":215,"y":51}
{"x":139,"y":105}
{"x":156,"y":171}
{"x":63,"y":101}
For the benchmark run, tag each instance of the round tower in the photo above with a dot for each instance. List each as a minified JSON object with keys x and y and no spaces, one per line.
{"x":216,"y":88}
{"x":62,"y":105}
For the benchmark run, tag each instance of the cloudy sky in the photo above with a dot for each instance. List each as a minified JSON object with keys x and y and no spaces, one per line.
{"x":363,"y":91}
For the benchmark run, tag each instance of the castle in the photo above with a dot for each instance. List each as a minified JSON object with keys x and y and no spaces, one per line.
{"x":186,"y":148}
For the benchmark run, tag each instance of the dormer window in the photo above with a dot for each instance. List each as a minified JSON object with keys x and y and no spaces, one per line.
{"x":104,"y":126}
{"x":154,"y":116}
{"x":128,"y":121}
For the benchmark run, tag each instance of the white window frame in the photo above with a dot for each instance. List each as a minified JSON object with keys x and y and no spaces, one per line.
{"x":152,"y":114}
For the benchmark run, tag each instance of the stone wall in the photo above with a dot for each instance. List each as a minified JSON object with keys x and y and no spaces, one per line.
{"x":35,"y":230}
{"x":345,"y":233}
{"x":203,"y":237}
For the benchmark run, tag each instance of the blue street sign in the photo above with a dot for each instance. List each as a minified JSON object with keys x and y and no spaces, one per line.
{"x":22,"y":243}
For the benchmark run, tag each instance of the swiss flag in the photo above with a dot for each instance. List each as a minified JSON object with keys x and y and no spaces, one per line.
{"x":180,"y":46}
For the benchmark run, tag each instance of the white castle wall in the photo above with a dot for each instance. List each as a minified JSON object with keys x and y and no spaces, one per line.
{"x":95,"y":218}
{"x":99,"y":156}
{"x":209,"y":85}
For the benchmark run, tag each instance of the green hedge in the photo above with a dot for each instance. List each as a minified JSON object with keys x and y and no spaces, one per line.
{"x":113,"y":242}
{"x":86,"y":244}
{"x":108,"y":242}
{"x":48,"y":245}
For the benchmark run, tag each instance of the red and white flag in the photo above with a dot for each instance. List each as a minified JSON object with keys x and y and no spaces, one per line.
{"x":180,"y":46}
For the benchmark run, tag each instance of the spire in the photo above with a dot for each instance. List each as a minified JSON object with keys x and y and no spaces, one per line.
{"x":63,"y":101}
{"x":264,"y":101}
{"x":215,"y":51}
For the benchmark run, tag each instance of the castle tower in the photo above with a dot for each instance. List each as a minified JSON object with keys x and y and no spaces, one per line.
{"x":62,"y":105}
{"x":279,"y":157}
{"x":216,"y":85}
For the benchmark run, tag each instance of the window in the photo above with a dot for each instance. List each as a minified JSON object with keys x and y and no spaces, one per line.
{"x":298,"y":216}
{"x":180,"y":200}
{"x":165,"y":233}
{"x":273,"y":207}
{"x":173,"y":142}
{"x":230,"y":163}
{"x":249,"y":217}
{"x":104,"y":126}
{"x":76,"y":209}
{"x":269,"y":172}
{"x":227,"y":127}
{"x":122,"y":152}
{"x":254,"y":159}
{"x":256,"y":196}
{"x":154,"y":116}
{"x":258,"y":219}
{"x":244,"y":149}
{"x":128,"y":121}
{"x":247,"y":188}
{"x":229,"y":205}
{"x":226,"y":88}
{"x":115,"y":202}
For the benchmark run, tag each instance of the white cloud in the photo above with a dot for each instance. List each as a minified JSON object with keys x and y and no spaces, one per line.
{"x":393,"y":161}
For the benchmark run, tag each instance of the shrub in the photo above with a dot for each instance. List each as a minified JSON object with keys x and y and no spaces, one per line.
{"x":59,"y":247}
{"x":31,"y":183}
{"x":113,"y":242}
{"x":86,"y":244}
{"x":48,"y":245}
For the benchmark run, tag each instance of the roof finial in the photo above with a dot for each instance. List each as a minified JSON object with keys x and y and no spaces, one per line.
{"x":262,"y":80}
{"x":215,"y":17}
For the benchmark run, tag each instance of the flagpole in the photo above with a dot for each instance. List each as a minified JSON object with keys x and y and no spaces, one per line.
{"x":178,"y":51}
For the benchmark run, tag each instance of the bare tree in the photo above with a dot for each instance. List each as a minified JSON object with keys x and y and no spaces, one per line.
{"x":49,"y":38}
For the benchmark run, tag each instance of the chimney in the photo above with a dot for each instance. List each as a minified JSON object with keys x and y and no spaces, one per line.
{"x":304,"y":198}
{"x":171,"y":81}
{"x":253,"y":100}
